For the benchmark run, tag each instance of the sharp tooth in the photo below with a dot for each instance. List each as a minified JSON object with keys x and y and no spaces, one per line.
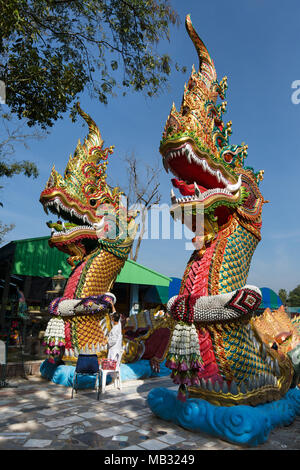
{"x":173,"y":197}
{"x":233,"y":388}
{"x":46,"y":209}
{"x":219,"y":176}
{"x":250,"y":384}
{"x":216,"y":386}
{"x":261,"y":380}
{"x":224,"y":387}
{"x":243,"y":388}
{"x":166,"y":165}
{"x":263,"y":351}
{"x":271,"y":380}
{"x":233,"y":188}
{"x":276,"y":368}
{"x":268,"y":379}
{"x":256,"y":381}
{"x":203,"y":383}
{"x":188,"y":153}
{"x":209,"y":385}
{"x":197,"y":190}
{"x":198,"y":193}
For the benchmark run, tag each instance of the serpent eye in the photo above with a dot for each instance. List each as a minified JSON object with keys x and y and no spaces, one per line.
{"x":228,"y":157}
{"x":93,"y":202}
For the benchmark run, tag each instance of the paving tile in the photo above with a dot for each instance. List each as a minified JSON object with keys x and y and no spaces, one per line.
{"x":48,"y":411}
{"x":210,"y":444}
{"x":114,"y":416}
{"x":37,"y":443}
{"x":65,"y":434}
{"x":120,"y":438}
{"x":153,"y":444}
{"x":134,"y":448}
{"x":116,"y":430}
{"x":143,"y":431}
{"x":171,"y":439}
{"x":88,"y":414}
{"x":63,"y":421}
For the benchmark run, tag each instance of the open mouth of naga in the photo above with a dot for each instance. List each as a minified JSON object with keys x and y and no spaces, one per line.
{"x":199,"y":181}
{"x":74,"y":228}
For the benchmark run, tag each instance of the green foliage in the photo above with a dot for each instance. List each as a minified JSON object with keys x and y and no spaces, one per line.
{"x":25,"y":167}
{"x":4,"y":229}
{"x":12,"y":133}
{"x":283,"y":295}
{"x":52,"y":50}
{"x":294,"y":297}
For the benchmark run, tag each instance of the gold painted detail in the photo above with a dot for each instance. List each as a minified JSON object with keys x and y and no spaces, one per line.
{"x":101,"y":274}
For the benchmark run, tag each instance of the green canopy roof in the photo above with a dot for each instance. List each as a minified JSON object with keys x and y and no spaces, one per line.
{"x":34,"y":257}
{"x":134,"y":273}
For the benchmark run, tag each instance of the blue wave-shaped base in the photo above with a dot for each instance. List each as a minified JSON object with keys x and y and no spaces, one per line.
{"x":240,"y":424}
{"x":63,"y":375}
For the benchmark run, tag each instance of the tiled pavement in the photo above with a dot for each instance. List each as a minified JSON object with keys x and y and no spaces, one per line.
{"x":38,"y":414}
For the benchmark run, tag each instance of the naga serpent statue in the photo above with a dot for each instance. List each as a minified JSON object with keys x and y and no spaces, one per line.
{"x":221,"y":353}
{"x":97,"y":232}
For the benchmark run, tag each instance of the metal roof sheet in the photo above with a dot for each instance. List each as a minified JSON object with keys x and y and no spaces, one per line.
{"x":34,"y":257}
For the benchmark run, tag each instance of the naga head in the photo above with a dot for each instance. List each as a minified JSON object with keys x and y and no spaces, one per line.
{"x":208,"y":171}
{"x":89,"y":210}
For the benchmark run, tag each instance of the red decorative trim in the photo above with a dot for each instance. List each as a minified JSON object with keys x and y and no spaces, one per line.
{"x":73,"y":280}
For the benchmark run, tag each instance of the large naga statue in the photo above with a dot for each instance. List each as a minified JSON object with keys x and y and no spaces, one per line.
{"x":220,"y":351}
{"x":96,"y":230}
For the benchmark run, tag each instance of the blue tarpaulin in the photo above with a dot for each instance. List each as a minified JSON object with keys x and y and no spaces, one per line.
{"x":270,"y":299}
{"x":174,"y":286}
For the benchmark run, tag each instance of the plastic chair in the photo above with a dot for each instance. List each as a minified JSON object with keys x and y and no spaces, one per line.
{"x":87,"y":364}
{"x":116,"y":373}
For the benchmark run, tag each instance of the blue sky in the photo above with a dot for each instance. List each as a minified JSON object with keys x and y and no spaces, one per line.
{"x":256,"y":43}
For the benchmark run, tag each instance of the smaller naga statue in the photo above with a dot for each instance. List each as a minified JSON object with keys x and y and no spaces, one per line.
{"x":96,"y":230}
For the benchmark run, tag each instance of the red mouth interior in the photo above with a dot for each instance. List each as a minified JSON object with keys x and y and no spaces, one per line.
{"x":190,"y":173}
{"x":185,"y":188}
